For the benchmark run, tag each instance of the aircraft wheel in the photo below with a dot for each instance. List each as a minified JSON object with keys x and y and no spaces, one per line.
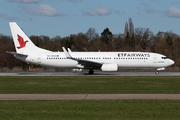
{"x":91,"y":72}
{"x":157,"y":73}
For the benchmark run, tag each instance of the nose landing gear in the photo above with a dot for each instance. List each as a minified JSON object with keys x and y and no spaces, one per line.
{"x":157,"y":72}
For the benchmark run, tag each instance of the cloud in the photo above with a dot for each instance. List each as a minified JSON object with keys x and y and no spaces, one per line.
{"x":169,"y":11}
{"x":155,"y":1}
{"x":150,"y":10}
{"x":73,"y":0}
{"x":144,"y":3}
{"x":8,"y":17}
{"x":25,"y":1}
{"x":42,"y":10}
{"x":100,"y":11}
{"x":117,"y":11}
{"x":141,"y":11}
{"x":172,"y":12}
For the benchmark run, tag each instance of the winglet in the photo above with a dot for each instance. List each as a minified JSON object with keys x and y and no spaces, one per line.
{"x":66,"y":53}
{"x":69,"y":50}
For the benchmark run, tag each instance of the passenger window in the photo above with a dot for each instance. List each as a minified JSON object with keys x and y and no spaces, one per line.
{"x":164,"y":57}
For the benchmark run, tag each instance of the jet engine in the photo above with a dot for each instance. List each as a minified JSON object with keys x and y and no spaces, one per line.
{"x":109,"y":67}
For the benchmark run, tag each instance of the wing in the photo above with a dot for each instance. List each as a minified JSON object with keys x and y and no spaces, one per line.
{"x":87,"y":64}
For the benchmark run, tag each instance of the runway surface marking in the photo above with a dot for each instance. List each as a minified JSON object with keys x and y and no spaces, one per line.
{"x":89,"y":96}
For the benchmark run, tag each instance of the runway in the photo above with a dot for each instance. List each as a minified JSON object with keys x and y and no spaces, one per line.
{"x":89,"y":97}
{"x":95,"y":74}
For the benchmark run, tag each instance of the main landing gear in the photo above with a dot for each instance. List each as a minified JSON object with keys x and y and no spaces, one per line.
{"x":91,"y":71}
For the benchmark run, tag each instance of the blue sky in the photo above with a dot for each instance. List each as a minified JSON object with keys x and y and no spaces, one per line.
{"x":65,"y":17}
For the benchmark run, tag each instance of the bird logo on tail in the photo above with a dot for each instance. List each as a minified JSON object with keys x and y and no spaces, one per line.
{"x":21,"y":41}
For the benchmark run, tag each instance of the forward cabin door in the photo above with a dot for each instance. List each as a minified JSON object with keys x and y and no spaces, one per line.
{"x":154,"y":59}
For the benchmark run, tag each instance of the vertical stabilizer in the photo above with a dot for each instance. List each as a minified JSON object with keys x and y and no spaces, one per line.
{"x":22,"y":42}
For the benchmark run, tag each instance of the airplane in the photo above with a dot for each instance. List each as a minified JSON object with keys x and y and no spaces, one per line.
{"x":105,"y":61}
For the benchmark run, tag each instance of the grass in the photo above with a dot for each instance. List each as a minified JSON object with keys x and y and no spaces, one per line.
{"x":91,"y":110}
{"x":90,"y":84}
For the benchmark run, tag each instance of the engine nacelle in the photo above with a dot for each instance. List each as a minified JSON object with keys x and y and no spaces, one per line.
{"x":109,"y":67}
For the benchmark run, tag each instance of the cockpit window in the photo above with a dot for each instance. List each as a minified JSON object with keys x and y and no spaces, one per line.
{"x":164,"y":57}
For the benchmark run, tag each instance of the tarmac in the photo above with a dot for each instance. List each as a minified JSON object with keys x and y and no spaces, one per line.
{"x":95,"y":74}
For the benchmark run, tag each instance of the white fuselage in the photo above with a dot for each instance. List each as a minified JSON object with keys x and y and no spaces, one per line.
{"x":124,"y":60}
{"x":105,"y":61}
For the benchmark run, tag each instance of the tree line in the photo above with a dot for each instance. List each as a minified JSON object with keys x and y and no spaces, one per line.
{"x":133,"y":39}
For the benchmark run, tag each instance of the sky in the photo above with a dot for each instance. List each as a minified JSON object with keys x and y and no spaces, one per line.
{"x":65,"y":17}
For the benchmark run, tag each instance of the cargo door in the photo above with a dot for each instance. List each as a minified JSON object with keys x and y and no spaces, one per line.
{"x":39,"y":59}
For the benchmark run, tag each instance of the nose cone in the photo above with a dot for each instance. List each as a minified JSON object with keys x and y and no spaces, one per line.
{"x":171,"y":62}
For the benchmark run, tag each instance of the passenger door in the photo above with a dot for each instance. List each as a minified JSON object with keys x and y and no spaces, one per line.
{"x":154,"y":59}
{"x":39,"y":59}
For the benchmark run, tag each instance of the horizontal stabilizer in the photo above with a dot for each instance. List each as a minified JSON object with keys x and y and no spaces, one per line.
{"x":15,"y":53}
